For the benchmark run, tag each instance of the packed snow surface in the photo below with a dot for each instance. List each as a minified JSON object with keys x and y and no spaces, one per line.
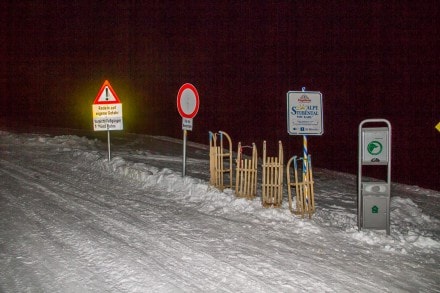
{"x":71,"y":221}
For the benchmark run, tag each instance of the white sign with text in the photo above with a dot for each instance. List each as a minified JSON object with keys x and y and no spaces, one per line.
{"x":304,"y":113}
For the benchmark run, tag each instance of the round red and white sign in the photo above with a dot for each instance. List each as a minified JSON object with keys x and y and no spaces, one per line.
{"x":188,"y":101}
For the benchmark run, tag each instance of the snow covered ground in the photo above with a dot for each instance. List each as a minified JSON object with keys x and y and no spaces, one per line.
{"x":73,"y":222}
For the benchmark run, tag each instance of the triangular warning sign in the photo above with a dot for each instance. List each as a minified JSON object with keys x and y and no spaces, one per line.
{"x":106,"y":95}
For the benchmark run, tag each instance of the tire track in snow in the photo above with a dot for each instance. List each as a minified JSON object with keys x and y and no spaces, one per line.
{"x":62,"y":191}
{"x":80,"y":236}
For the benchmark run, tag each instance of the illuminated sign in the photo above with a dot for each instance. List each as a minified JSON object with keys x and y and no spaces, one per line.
{"x":107,"y":109}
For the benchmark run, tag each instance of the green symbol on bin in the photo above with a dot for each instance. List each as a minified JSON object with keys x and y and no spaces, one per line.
{"x":374,"y":147}
{"x":374,"y":210}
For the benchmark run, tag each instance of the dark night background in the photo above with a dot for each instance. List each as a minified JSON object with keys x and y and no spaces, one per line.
{"x":370,"y":59}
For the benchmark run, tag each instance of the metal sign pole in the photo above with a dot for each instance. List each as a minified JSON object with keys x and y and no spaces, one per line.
{"x":184,"y":152}
{"x":305,"y":154}
{"x":108,"y":143}
{"x":305,"y":177}
{"x":359,"y":177}
{"x":188,"y":106}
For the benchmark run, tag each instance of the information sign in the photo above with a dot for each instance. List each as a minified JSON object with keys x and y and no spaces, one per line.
{"x":304,"y":113}
{"x":187,"y":124}
{"x":375,"y":146}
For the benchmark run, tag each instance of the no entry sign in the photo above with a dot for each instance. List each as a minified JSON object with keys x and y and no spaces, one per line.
{"x":188,"y":106}
{"x":188,"y":101}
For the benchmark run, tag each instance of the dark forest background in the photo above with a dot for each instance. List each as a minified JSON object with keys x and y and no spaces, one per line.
{"x":369,"y":59}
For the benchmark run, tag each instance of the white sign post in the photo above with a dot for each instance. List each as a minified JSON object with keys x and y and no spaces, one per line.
{"x":107,"y":112}
{"x":304,"y":117}
{"x":188,"y":106}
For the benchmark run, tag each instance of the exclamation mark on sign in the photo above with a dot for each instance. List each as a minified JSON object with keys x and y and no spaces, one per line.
{"x":106,"y":93}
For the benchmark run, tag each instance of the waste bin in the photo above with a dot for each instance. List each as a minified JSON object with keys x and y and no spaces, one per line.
{"x":374,"y":149}
{"x":375,"y":205}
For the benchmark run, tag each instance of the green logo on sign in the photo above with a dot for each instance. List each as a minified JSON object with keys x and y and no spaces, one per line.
{"x":374,"y":148}
{"x":374,"y":210}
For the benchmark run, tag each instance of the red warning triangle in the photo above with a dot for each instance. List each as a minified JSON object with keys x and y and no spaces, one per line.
{"x":107,"y":95}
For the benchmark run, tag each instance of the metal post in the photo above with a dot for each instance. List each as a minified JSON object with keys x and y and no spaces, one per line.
{"x":305,"y":151}
{"x":305,"y":177}
{"x":359,"y":178}
{"x":108,"y":144}
{"x":389,"y":177}
{"x":184,"y":152}
{"x":305,"y":154}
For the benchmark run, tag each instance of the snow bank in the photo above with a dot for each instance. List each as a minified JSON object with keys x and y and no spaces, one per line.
{"x":410,"y":228}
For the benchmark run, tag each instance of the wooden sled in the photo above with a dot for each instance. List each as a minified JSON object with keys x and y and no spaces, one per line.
{"x":305,"y":197}
{"x":220,"y":160}
{"x":246,"y":173}
{"x":272,"y":181}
